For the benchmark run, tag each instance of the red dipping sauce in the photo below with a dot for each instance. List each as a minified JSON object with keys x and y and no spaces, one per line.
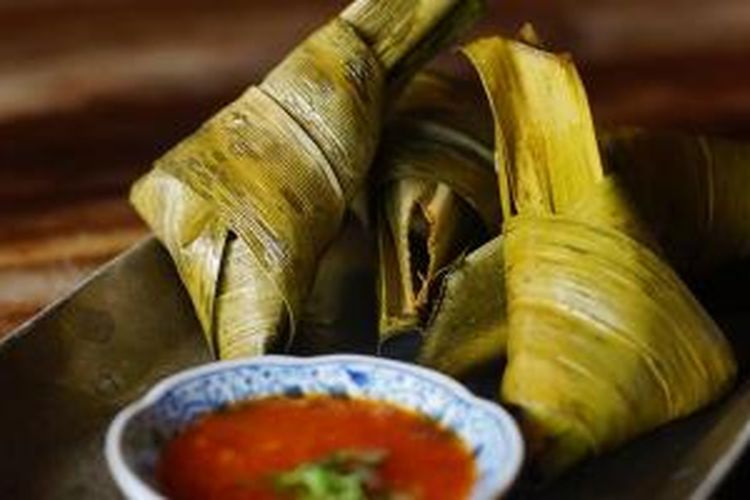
{"x":231,"y":454}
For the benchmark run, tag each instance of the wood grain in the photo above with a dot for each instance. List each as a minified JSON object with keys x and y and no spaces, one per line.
{"x":92,"y":90}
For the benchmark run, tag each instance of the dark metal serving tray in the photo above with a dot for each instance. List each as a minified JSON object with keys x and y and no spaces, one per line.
{"x":65,"y":374}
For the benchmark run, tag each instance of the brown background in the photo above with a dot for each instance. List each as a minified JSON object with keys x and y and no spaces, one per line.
{"x":92,"y":90}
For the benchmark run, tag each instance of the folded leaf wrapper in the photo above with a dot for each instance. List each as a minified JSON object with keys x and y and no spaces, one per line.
{"x":468,"y":326}
{"x":247,"y":204}
{"x":435,"y":198}
{"x":604,"y":340}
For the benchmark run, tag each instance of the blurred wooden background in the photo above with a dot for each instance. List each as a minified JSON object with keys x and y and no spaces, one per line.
{"x":92,"y":90}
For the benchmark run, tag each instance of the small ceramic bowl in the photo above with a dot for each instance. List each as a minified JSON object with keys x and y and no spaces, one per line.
{"x":137,"y":434}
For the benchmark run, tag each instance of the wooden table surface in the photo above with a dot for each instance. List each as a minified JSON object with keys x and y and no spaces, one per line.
{"x":92,"y":90}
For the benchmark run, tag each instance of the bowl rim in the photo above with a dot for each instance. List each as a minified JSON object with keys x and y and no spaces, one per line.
{"x":132,"y":486}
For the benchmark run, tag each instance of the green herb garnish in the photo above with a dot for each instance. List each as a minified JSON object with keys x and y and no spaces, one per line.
{"x":343,"y":475}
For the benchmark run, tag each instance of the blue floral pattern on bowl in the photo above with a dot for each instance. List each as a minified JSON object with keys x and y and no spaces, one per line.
{"x":137,"y":434}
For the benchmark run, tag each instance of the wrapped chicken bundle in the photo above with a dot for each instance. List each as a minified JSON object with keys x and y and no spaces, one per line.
{"x":247,"y":204}
{"x":434,"y":196}
{"x":605,"y":342}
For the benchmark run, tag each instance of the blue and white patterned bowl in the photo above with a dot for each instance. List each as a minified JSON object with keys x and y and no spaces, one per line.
{"x":137,"y":434}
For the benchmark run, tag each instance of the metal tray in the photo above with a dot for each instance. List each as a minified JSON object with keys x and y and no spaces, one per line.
{"x":65,"y":373}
